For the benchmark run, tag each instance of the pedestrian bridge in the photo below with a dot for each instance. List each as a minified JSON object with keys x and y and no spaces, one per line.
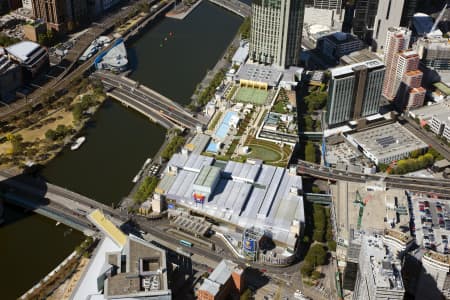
{"x":155,"y":106}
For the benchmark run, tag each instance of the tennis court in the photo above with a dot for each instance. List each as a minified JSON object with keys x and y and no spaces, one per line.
{"x":250,"y":95}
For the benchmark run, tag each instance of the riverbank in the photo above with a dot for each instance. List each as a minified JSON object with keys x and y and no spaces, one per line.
{"x":37,"y":138}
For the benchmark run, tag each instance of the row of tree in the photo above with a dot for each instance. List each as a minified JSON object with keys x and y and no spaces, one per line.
{"x":146,"y":189}
{"x":310,"y":152}
{"x":244,"y":30}
{"x":316,"y":100}
{"x":59,"y":133}
{"x":416,"y":161}
{"x":208,"y":93}
{"x":172,"y":147}
{"x":79,"y":108}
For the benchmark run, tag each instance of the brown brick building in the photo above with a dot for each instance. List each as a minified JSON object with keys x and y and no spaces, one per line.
{"x":226,"y":280}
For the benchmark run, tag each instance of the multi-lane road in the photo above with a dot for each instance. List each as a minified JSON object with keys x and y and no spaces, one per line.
{"x":440,"y":187}
{"x":147,"y":101}
{"x":426,"y":137}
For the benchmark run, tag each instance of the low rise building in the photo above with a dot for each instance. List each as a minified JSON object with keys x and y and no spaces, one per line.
{"x":10,"y":78}
{"x":32,"y":57}
{"x":387,"y":143}
{"x":358,"y":57}
{"x":258,"y":76}
{"x":241,"y":54}
{"x":339,"y":44}
{"x":226,"y":280}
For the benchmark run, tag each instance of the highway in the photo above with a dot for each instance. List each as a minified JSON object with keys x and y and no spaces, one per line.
{"x":150,"y":101}
{"x":38,"y":188}
{"x":440,"y":187}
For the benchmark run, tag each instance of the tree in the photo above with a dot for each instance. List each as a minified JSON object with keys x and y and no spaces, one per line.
{"x":315,"y":275}
{"x":306,"y":269}
{"x":331,"y":245}
{"x":51,"y":135}
{"x":416,"y":153}
{"x":310,"y":152}
{"x":77,"y":112}
{"x":316,"y":255}
{"x":244,"y":30}
{"x":16,"y":143}
{"x":6,"y":41}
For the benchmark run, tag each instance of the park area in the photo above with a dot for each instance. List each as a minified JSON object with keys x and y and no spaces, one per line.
{"x":251,"y":95}
{"x":269,"y":152}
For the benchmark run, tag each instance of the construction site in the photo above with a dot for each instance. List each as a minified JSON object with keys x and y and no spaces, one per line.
{"x":361,"y":208}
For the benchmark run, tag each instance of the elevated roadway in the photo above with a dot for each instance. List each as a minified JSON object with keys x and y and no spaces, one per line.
{"x":235,"y":6}
{"x":42,"y":195}
{"x":148,"y":101}
{"x":440,"y":187}
{"x":425,"y":136}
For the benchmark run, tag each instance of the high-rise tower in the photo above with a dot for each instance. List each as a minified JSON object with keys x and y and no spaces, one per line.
{"x":276,"y":32}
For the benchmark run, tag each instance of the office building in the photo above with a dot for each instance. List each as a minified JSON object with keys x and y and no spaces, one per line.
{"x":354,"y":92}
{"x":276,"y":32}
{"x":8,"y":5}
{"x":324,"y":4}
{"x":31,"y":56}
{"x":379,"y":271}
{"x":372,"y":18}
{"x":364,"y":15}
{"x":61,"y":15}
{"x":52,"y":12}
{"x":28,"y":4}
{"x":339,"y":44}
{"x":387,"y":16}
{"x":409,"y":8}
{"x":10,"y":78}
{"x":434,"y":53}
{"x":226,"y":280}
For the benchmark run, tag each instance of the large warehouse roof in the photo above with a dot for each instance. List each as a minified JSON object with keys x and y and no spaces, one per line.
{"x":246,"y":195}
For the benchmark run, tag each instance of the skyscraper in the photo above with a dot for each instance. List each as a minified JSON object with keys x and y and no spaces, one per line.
{"x":387,"y":16}
{"x":276,"y":32}
{"x":397,"y":40}
{"x":354,"y":92}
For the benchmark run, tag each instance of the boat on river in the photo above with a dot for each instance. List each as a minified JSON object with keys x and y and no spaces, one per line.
{"x":78,"y":143}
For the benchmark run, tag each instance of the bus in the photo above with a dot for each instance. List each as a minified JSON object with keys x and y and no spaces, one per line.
{"x":186,"y":243}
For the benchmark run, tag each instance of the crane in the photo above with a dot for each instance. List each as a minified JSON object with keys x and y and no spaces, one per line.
{"x":358,"y":201}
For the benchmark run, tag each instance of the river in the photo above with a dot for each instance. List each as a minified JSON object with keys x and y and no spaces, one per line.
{"x":119,"y":140}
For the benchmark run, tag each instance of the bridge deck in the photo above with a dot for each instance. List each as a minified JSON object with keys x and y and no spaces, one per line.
{"x":148,"y":101}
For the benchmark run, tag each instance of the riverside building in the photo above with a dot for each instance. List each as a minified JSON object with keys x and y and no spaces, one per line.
{"x":276,"y":32}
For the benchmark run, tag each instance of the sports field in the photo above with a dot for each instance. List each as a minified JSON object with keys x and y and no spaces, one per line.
{"x":250,"y":95}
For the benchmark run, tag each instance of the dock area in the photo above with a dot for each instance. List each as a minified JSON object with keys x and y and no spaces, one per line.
{"x":182,"y":11}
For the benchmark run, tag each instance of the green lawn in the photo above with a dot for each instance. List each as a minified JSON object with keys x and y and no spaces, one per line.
{"x":263,"y":153}
{"x":250,"y":95}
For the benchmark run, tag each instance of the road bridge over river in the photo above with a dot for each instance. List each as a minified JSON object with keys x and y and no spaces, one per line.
{"x":160,"y":109}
